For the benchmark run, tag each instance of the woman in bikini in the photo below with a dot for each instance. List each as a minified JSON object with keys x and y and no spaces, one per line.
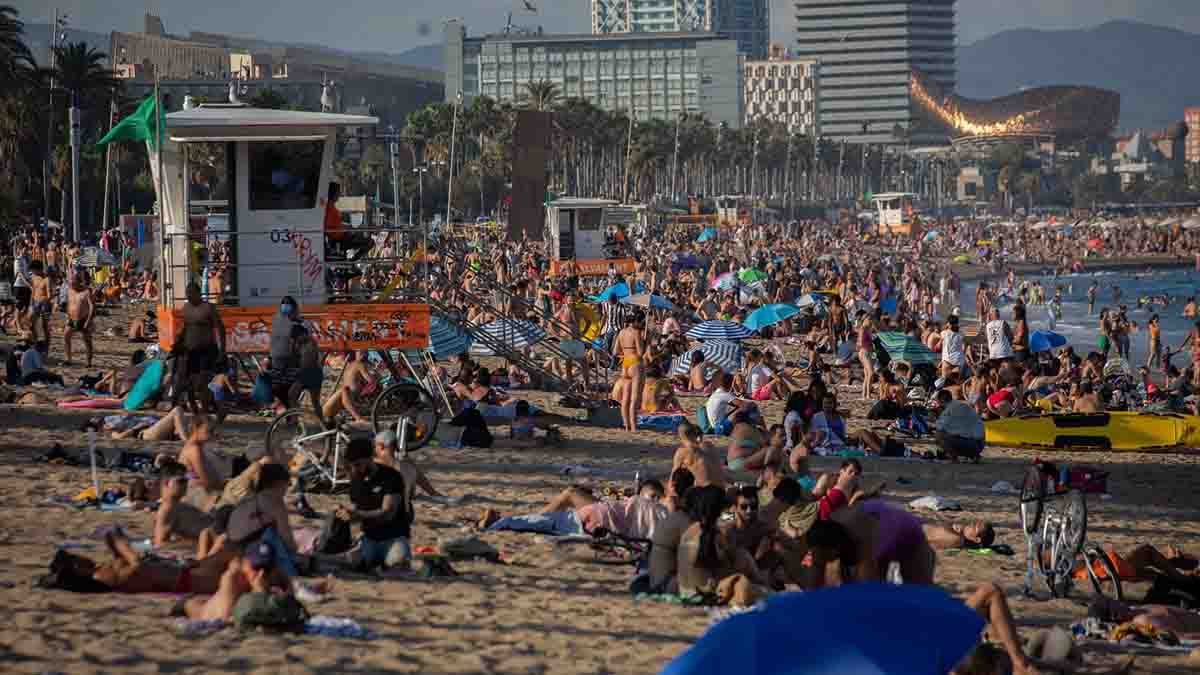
{"x":631,"y":348}
{"x":866,"y":346}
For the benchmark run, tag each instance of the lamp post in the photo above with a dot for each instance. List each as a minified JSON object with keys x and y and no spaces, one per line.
{"x":453,"y":136}
{"x":787,"y":173}
{"x":628,"y":155}
{"x":754,"y":179}
{"x":394,"y":152}
{"x":58,"y":35}
{"x":675,"y":158}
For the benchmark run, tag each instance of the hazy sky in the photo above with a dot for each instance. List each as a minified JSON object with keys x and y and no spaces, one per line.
{"x":396,"y":25}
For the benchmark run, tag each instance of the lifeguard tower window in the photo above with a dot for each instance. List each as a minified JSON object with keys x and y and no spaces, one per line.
{"x":588,"y":220}
{"x":284,"y":176}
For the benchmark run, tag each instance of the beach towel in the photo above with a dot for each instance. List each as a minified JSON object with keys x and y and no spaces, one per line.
{"x":665,"y":422}
{"x":557,"y":523}
{"x":113,"y":403}
{"x":935,"y":503}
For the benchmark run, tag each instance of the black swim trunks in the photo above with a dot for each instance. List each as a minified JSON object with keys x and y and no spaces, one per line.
{"x":203,"y":359}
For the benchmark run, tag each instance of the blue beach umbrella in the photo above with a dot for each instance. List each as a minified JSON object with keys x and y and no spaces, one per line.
{"x":1045,"y":340}
{"x":708,"y":233}
{"x":769,"y":315}
{"x":864,"y":629}
{"x":446,"y":339}
{"x":720,"y":330}
{"x":648,"y":301}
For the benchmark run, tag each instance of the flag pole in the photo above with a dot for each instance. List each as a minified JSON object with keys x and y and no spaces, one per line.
{"x":165,"y":282}
{"x":112,"y":114}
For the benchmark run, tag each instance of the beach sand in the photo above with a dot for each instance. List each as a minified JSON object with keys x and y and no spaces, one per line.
{"x":539,"y":612}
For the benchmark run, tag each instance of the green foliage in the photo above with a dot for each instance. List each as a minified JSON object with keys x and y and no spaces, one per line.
{"x":268,"y":98}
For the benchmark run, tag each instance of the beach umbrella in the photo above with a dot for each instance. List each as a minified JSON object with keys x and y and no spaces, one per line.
{"x":512,"y":333}
{"x":750,"y":276}
{"x":904,"y":347}
{"x":726,"y":282}
{"x":718,"y":353}
{"x":1045,"y":340}
{"x":615,"y":291}
{"x":94,"y":256}
{"x":864,"y":628}
{"x":769,"y":315}
{"x":811,"y":300}
{"x":720,"y":330}
{"x":708,"y":233}
{"x":932,"y":234}
{"x":447,"y":339}
{"x":648,"y":301}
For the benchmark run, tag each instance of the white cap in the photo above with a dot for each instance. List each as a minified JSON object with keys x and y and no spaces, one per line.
{"x":387,"y":438}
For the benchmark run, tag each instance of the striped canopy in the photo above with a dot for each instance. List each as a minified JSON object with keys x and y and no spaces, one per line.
{"x":903,"y":347}
{"x":720,"y":330}
{"x":514,"y":334}
{"x":447,"y":339}
{"x":719,"y":353}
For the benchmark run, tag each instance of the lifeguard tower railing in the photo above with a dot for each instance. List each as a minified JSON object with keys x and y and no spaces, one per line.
{"x":389,"y":269}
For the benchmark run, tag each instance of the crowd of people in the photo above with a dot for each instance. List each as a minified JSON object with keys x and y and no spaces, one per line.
{"x":789,"y":528}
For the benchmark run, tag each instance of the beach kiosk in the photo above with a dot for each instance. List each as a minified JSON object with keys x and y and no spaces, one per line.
{"x":589,"y":236}
{"x":895,"y":212}
{"x":277,"y":171}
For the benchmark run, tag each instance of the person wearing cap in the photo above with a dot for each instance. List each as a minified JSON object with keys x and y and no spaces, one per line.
{"x":377,"y":497}
{"x":247,"y":573}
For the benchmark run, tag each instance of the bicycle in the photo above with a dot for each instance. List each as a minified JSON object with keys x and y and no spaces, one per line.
{"x":408,"y":410}
{"x":1055,"y":540}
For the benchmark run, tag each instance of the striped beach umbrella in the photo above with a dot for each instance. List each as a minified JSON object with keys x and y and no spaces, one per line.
{"x":447,"y":339}
{"x":719,"y":354}
{"x":720,"y":330}
{"x":514,"y":334}
{"x":903,"y":347}
{"x":94,"y":256}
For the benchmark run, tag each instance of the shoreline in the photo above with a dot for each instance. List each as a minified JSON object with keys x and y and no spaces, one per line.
{"x":979,"y":272}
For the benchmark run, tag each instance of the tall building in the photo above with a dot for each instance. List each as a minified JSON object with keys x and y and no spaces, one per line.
{"x":1191,"y":117}
{"x":784,"y":90}
{"x":868,"y":50}
{"x":657,"y":75}
{"x":747,"y":21}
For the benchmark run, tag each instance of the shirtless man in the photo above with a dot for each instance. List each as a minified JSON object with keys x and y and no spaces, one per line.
{"x":128,"y":572}
{"x":176,"y":519}
{"x":203,"y":343}
{"x":975,"y":534}
{"x":208,"y":471}
{"x":630,"y":347}
{"x":354,"y":379}
{"x":249,"y":573}
{"x":81,"y":312}
{"x":41,"y":303}
{"x":702,"y":462}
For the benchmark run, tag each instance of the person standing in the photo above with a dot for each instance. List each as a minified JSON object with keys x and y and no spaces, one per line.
{"x":999,"y":337}
{"x":954,"y":356}
{"x":81,"y":312}
{"x":1153,"y":342}
{"x":202,"y":342}
{"x":1091,"y":297}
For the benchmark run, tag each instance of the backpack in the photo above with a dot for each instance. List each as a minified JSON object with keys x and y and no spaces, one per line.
{"x":273,"y":611}
{"x":335,"y":536}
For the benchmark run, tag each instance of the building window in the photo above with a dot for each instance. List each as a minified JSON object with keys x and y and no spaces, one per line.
{"x":284,"y":175}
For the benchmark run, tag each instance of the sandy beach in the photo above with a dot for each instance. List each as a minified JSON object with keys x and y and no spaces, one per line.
{"x":539,"y":611}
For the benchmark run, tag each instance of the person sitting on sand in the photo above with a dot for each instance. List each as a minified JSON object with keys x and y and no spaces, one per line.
{"x":176,"y":519}
{"x":119,"y":382}
{"x":707,"y":556}
{"x":693,"y":455}
{"x":1088,"y":400}
{"x":665,"y":541}
{"x":697,"y":381}
{"x":129,"y":572}
{"x":524,"y":427}
{"x":748,"y":531}
{"x":247,"y":573}
{"x":958,"y":429}
{"x":827,"y":433}
{"x":388,"y":453}
{"x":989,"y":601}
{"x":377,"y":496}
{"x":858,"y":543}
{"x":974,"y":534}
{"x":722,"y":403}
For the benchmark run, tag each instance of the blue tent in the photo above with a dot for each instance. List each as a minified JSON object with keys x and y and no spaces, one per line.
{"x":863,"y":628}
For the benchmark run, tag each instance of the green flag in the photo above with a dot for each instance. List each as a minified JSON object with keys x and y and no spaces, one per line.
{"x":139,"y":126}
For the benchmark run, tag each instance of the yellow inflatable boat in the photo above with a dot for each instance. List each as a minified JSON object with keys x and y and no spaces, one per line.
{"x":1123,"y":431}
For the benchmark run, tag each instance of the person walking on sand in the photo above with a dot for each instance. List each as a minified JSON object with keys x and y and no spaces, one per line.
{"x":81,"y":312}
{"x":40,"y":303}
{"x":630,"y":347}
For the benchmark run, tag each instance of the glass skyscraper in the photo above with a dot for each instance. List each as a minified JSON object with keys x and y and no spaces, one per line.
{"x":868,"y":50}
{"x":747,"y":21}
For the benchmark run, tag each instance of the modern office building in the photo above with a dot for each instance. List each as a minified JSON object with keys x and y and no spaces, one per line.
{"x":868,"y":50}
{"x":784,"y":90}
{"x":747,"y":21}
{"x":653,"y":75}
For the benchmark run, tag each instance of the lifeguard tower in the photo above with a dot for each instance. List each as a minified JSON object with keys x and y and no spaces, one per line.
{"x":278,"y":168}
{"x":895,"y":212}
{"x":591,"y":233}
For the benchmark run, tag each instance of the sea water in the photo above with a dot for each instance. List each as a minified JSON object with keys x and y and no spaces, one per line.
{"x":1082,"y":329}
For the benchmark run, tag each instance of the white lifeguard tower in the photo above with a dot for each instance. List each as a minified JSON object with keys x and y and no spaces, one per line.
{"x":591,"y":233}
{"x":895,"y":212}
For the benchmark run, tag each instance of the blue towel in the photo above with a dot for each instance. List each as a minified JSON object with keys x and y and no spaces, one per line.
{"x":555,"y":523}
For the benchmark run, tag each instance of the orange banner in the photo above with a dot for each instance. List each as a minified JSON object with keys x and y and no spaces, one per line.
{"x":593,"y":268}
{"x":336,"y":327}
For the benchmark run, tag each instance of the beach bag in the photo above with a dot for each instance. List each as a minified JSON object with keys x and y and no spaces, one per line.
{"x":261,"y":394}
{"x":335,"y":536}
{"x":148,"y":385}
{"x":273,"y":611}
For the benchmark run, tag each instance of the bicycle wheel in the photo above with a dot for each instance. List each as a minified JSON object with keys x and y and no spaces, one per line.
{"x":1107,"y":583}
{"x":1074,"y":528}
{"x":285,"y":435}
{"x":1033,"y":496}
{"x":408,"y":408}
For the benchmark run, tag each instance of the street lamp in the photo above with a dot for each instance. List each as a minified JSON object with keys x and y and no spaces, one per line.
{"x":453,"y":135}
{"x":754,"y":179}
{"x":628,"y":154}
{"x":394,"y":151}
{"x":675,"y":158}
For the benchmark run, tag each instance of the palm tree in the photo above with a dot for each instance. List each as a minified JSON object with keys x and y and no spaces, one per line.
{"x":542,"y":96}
{"x":80,"y":70}
{"x":16,"y":61}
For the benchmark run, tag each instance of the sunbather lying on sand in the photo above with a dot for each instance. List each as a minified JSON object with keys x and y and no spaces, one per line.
{"x":128,"y":572}
{"x":1185,"y":624}
{"x":635,"y":516}
{"x":975,"y":534}
{"x":246,"y":573}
